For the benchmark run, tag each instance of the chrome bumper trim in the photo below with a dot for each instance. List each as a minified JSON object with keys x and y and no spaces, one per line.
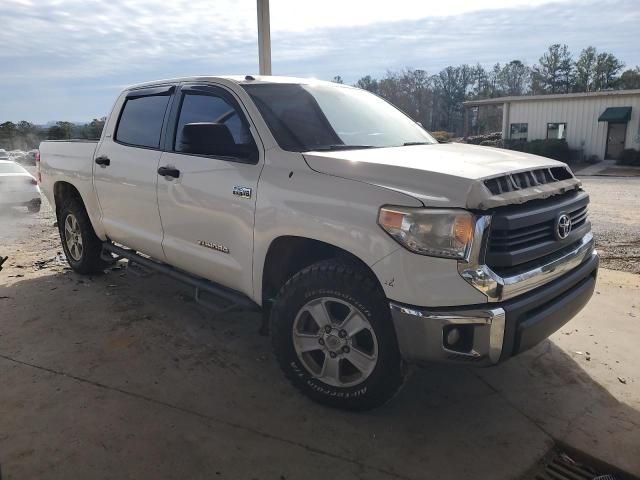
{"x":498,"y":288}
{"x":421,"y":338}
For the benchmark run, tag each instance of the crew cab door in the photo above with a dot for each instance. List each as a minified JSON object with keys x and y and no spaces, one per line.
{"x":125,"y":170}
{"x":207,"y":184}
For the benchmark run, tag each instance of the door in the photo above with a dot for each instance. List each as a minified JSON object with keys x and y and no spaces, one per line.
{"x":207,"y":188}
{"x":616,"y":134}
{"x":125,"y":173}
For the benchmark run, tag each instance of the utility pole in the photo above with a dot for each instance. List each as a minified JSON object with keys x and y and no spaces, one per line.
{"x":264,"y":37}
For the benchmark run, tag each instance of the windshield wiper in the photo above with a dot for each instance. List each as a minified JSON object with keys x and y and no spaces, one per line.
{"x":408,"y":144}
{"x":328,"y":148}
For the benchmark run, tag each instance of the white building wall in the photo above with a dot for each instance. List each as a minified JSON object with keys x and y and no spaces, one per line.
{"x":581,"y":116}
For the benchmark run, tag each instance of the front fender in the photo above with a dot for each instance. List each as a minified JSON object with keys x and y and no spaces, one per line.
{"x":333,"y":210}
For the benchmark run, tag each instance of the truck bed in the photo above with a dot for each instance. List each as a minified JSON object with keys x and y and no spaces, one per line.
{"x":71,"y":162}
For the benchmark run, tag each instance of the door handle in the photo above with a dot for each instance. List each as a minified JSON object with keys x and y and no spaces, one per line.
{"x":169,"y":172}
{"x":103,"y":160}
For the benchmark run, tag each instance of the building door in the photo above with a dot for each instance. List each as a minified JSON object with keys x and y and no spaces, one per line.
{"x":616,"y":134}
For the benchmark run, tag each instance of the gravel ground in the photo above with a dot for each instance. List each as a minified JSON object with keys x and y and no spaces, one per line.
{"x":615,"y":216}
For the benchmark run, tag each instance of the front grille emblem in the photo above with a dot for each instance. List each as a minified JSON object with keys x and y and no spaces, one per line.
{"x":563,"y":226}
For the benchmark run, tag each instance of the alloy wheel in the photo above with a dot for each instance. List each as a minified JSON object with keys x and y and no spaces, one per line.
{"x":73,"y":237}
{"x":335,"y":342}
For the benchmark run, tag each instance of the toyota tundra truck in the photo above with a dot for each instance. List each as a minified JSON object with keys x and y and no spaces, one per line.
{"x":367,"y":245}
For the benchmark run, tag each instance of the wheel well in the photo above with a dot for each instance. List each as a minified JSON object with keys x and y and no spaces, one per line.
{"x":63,"y":190}
{"x":288,"y":255}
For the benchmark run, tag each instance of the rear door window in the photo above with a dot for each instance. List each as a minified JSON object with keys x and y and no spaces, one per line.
{"x":141,"y":121}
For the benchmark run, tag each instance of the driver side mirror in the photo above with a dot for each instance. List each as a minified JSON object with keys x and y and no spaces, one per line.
{"x":215,"y":139}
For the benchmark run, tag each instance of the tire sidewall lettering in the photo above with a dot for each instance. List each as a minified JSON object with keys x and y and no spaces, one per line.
{"x":300,"y":371}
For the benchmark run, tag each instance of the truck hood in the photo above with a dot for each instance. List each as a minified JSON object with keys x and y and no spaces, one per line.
{"x":442,"y":175}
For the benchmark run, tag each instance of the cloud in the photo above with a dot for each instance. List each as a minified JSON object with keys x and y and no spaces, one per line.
{"x":68,"y":58}
{"x":93,"y":38}
{"x":484,"y":37}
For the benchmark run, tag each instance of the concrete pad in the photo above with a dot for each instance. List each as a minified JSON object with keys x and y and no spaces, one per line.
{"x":572,"y":385}
{"x":138,"y":346}
{"x":57,"y":427}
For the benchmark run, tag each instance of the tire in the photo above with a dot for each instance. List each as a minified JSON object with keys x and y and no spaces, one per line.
{"x":343,"y":291}
{"x":73,"y":221}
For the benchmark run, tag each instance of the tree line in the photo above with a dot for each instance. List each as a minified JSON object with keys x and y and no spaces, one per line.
{"x":25,"y":135}
{"x":436,"y":100}
{"x":433,"y":100}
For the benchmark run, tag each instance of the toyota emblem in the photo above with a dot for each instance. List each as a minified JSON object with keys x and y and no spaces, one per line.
{"x":563,"y":226}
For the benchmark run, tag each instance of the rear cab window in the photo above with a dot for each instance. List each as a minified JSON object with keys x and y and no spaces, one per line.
{"x":141,"y":120}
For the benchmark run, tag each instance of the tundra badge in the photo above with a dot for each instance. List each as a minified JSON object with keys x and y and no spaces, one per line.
{"x":243,"y":192}
{"x":213,"y":246}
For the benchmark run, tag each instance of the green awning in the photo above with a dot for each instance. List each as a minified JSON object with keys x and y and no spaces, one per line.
{"x":616,"y":115}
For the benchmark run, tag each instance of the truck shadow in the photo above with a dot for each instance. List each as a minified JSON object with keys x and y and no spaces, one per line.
{"x":145,"y":338}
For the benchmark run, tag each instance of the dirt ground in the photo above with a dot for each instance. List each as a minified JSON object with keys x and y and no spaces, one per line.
{"x":615,"y":218}
{"x":124,"y":376}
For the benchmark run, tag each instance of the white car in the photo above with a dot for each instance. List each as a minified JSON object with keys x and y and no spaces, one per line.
{"x":365,"y":242}
{"x":18,"y":187}
{"x":3,"y":154}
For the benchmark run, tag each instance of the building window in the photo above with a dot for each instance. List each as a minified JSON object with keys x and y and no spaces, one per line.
{"x":519,"y":131}
{"x":556,"y":131}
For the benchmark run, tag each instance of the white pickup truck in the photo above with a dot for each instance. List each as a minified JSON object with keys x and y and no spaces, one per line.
{"x":366,"y":243}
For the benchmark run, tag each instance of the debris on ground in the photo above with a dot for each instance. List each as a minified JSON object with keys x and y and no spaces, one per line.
{"x":622,"y":380}
{"x":57,"y":260}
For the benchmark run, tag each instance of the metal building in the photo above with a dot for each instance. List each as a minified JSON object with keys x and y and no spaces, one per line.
{"x":600,"y":124}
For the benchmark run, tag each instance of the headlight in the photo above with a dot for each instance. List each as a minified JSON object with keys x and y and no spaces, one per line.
{"x":446,"y":233}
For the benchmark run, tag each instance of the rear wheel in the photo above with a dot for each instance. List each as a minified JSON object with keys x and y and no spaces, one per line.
{"x":333,"y":337}
{"x":82,"y":247}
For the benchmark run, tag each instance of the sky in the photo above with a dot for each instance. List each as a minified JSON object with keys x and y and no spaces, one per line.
{"x":68,"y":59}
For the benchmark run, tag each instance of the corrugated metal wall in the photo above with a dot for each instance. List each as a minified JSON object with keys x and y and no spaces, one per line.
{"x":581,"y":116}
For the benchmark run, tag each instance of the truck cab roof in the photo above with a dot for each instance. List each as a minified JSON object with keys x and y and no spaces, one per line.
{"x":237,"y":79}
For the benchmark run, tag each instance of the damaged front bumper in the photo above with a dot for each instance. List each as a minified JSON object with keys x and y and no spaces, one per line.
{"x":515,"y":319}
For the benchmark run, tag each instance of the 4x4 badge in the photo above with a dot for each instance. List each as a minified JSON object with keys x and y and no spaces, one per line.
{"x":244,"y":192}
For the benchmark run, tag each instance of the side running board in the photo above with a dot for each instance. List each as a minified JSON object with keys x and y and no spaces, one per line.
{"x":232,"y":299}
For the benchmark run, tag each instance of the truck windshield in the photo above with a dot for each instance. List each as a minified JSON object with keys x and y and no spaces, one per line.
{"x":325,"y":117}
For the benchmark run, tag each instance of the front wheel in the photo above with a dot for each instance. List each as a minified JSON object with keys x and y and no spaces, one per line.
{"x":334,"y":339}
